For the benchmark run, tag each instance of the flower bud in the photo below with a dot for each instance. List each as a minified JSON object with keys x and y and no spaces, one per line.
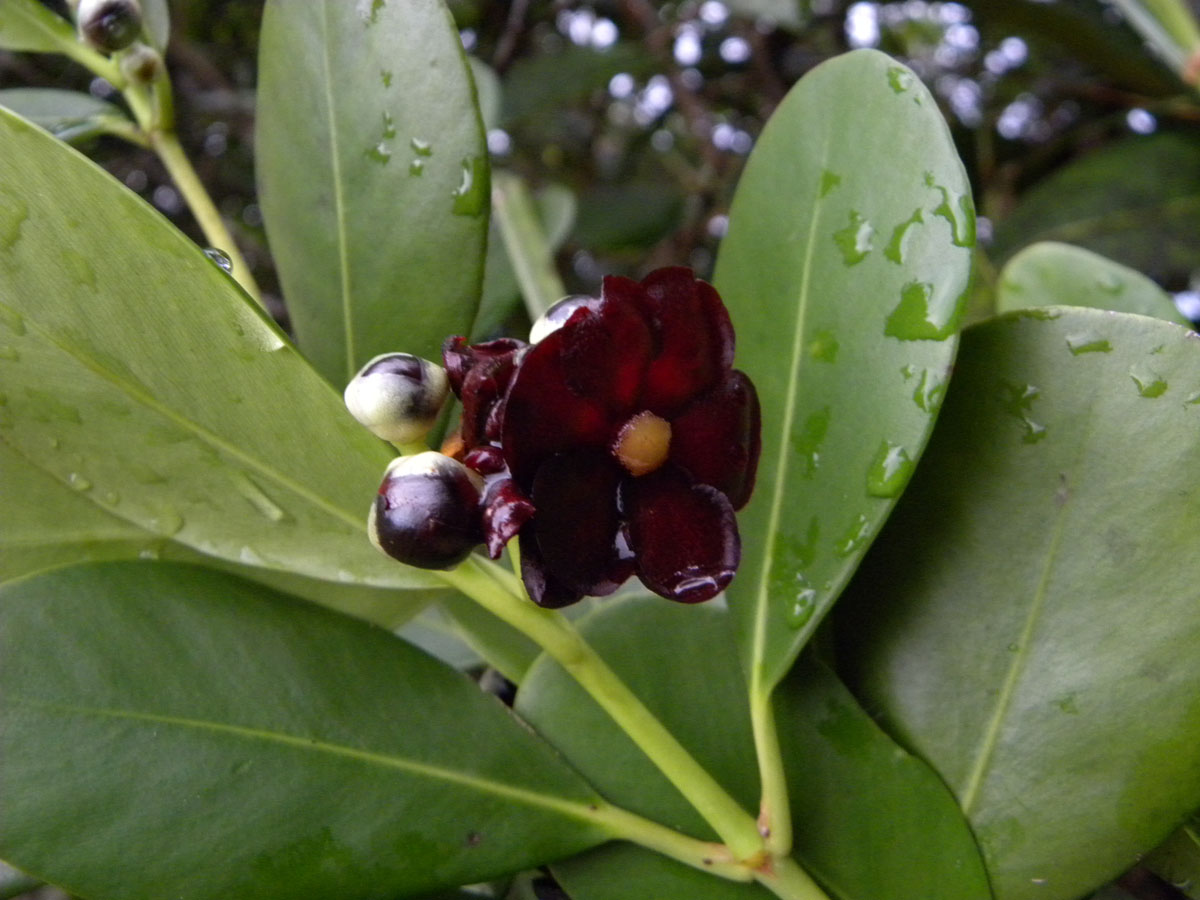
{"x":556,"y":316}
{"x":141,"y":64}
{"x":427,"y":511}
{"x":109,"y":25}
{"x":397,"y":396}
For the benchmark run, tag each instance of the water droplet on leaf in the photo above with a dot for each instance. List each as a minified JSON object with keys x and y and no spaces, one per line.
{"x":829,"y":180}
{"x":824,"y":346}
{"x":890,"y":470}
{"x":853,"y":537}
{"x":801,"y":609}
{"x":380,"y":153}
{"x":385,"y":76}
{"x":167,"y":522}
{"x":808,"y":440}
{"x":422,"y":148}
{"x":78,"y":482}
{"x":1079,"y":344}
{"x":470,"y":198}
{"x":895,"y":247}
{"x":912,"y":319}
{"x":1149,"y":384}
{"x":416,"y":167}
{"x":855,"y":239}
{"x":220,"y":258}
{"x":899,"y":79}
{"x":258,"y":498}
{"x":13,"y":214}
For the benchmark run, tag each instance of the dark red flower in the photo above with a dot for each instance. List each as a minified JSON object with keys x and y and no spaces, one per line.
{"x":622,"y":442}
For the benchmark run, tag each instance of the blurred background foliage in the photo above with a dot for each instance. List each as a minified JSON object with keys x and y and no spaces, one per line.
{"x":630,"y":121}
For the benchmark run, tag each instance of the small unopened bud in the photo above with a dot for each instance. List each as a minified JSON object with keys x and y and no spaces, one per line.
{"x":427,"y":511}
{"x":109,"y":25}
{"x":141,"y":64}
{"x":397,"y":396}
{"x":556,"y":316}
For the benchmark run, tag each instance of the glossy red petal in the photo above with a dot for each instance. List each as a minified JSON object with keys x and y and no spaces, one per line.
{"x":543,"y":416}
{"x":459,"y":357}
{"x":543,"y":588}
{"x":505,"y":511}
{"x":577,"y":520}
{"x":684,"y":536}
{"x":718,"y":438}
{"x":483,"y":390}
{"x":605,"y":353}
{"x":693,"y":339}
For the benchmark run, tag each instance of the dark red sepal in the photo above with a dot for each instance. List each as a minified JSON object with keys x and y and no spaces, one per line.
{"x":459,"y":357}
{"x":505,"y":511}
{"x":543,"y":588}
{"x":717,"y":438}
{"x":605,"y":353}
{"x":684,"y":536}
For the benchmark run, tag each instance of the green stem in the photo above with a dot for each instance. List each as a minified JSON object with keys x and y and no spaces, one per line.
{"x":775,"y":815}
{"x":786,"y":880}
{"x":526,"y":244}
{"x":555,"y":634}
{"x":702,"y":855}
{"x":167,"y":146}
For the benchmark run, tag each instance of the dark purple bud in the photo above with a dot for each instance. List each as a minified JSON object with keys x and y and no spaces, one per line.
{"x":505,"y":510}
{"x":426,"y":513}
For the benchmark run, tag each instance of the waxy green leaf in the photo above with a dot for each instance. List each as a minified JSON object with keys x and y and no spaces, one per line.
{"x":845,"y":270}
{"x":1028,"y":620}
{"x":31,"y":26}
{"x":135,"y":373}
{"x":145,"y":703}
{"x":872,"y":822}
{"x":68,"y":115}
{"x":1050,"y":274}
{"x":372,"y":166}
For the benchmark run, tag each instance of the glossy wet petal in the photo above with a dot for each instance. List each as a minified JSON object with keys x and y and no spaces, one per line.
{"x":577,"y":520}
{"x":717,"y":438}
{"x":683,"y":535}
{"x":543,"y":588}
{"x":605,"y":353}
{"x":459,"y":358}
{"x":694,"y":339}
{"x":482,"y":392}
{"x":543,"y":416}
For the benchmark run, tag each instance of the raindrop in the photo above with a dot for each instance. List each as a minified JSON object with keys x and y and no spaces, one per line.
{"x":824,"y":346}
{"x":1018,"y":402}
{"x":220,"y":258}
{"x":267,"y":507}
{"x":853,"y":537}
{"x":800,"y":610}
{"x":13,"y":213}
{"x":911,"y":319}
{"x":855,"y":239}
{"x":149,"y":553}
{"x":1193,"y":400}
{"x":12,"y":320}
{"x":895,"y":247}
{"x":1079,"y":344}
{"x":112,"y":498}
{"x":889,"y":471}
{"x":416,"y":167}
{"x":78,"y":482}
{"x":807,"y":442}
{"x":368,"y":10}
{"x":1110,"y":283}
{"x":385,"y":76}
{"x":829,"y":180}
{"x":1014,"y":647}
{"x":930,"y":390}
{"x":380,"y":153}
{"x":250,"y":557}
{"x":962,"y":224}
{"x":1067,"y":704}
{"x":899,"y":79}
{"x":470,"y":198}
{"x":79,"y":268}
{"x":1149,"y":384}
{"x":389,"y":125}
{"x":167,"y":522}
{"x":421,"y":148}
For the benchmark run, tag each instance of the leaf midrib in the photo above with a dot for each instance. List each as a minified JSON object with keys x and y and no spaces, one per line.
{"x":759,"y":685}
{"x":136,"y":394}
{"x":339,"y":200}
{"x":581,"y":810}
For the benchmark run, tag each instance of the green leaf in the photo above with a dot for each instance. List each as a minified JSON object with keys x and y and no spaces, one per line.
{"x":217,"y":740}
{"x":872,"y":822}
{"x":31,"y":26}
{"x":48,"y":525}
{"x":791,"y":14}
{"x":68,"y":115}
{"x":1028,"y":621}
{"x":845,"y":269}
{"x":540,"y":86}
{"x":372,"y":166}
{"x":1050,"y":274}
{"x":1136,"y":201}
{"x":157,"y":18}
{"x":138,"y":375}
